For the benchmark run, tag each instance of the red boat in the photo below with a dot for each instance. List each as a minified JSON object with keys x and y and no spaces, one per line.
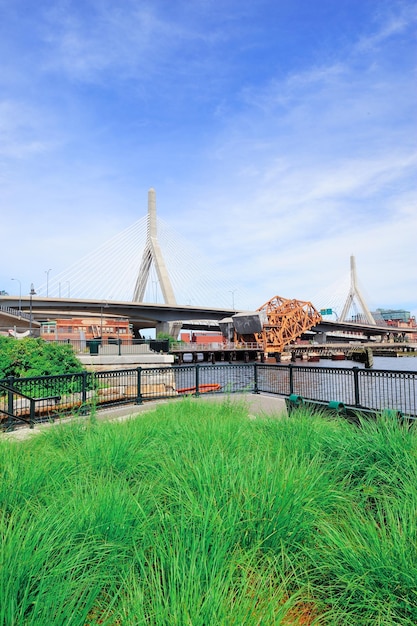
{"x":201,"y":388}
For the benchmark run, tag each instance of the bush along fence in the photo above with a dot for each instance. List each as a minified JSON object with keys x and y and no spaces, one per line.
{"x":28,"y":400}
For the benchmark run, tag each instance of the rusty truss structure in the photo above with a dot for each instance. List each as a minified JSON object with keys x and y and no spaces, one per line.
{"x":284,"y":321}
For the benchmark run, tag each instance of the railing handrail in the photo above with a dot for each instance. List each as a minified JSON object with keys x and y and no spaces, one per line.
{"x":15,"y":391}
{"x":23,"y":395}
{"x":354,"y":387}
{"x":15,"y":312}
{"x":12,"y":416}
{"x":213,"y":346}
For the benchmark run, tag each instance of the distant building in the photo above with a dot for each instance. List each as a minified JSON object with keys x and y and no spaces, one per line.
{"x":201,"y":337}
{"x":398,"y":318}
{"x":89,"y":328}
{"x":397,"y":315}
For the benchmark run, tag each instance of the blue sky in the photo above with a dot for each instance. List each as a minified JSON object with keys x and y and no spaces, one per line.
{"x":279,"y":135}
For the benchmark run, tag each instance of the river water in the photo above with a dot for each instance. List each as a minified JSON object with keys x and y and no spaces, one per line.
{"x":375,"y":389}
{"x":397,"y":364}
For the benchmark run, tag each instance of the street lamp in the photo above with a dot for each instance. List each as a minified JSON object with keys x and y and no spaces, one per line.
{"x":68,"y":283}
{"x":232,"y":291}
{"x":31,"y":293}
{"x":47,"y":281}
{"x":20,"y":294}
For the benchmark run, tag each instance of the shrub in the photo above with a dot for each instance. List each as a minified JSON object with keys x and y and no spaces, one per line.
{"x":36,"y":357}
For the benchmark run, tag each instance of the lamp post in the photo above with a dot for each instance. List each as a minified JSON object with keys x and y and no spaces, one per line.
{"x":20,"y":294}
{"x":232,"y":291}
{"x":31,"y":294}
{"x":69,"y":285}
{"x":47,"y":281}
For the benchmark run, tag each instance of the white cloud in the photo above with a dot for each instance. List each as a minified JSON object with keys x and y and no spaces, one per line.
{"x":279,"y":171}
{"x":402,"y":17}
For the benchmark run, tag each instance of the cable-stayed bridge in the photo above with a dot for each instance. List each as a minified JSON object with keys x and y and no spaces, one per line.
{"x":146,"y":273}
{"x":147,"y":262}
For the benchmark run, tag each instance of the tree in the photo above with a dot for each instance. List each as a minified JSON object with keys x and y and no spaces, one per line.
{"x":36,"y":357}
{"x":167,"y":337}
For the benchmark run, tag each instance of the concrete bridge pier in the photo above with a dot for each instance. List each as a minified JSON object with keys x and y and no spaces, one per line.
{"x":321,"y":337}
{"x":168,"y":328}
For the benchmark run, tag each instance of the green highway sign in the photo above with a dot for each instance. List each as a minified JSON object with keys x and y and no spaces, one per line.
{"x":326,"y":311}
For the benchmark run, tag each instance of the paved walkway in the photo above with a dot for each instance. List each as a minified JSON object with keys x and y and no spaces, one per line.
{"x":257,"y":405}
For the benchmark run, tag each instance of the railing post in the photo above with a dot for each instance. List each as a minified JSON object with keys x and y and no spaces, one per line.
{"x":32,"y":413}
{"x":83,"y":392}
{"x":291,"y":375}
{"x":355,"y":371}
{"x":197,"y":380}
{"x":255,"y":378}
{"x":10,"y":403}
{"x":138,"y":390}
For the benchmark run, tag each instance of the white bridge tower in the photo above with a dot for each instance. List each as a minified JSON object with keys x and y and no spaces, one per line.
{"x":355,"y":294}
{"x":153,"y":254}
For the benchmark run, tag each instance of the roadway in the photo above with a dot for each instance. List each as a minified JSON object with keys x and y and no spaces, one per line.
{"x":368,"y":330}
{"x":141,"y":315}
{"x":145,"y":315}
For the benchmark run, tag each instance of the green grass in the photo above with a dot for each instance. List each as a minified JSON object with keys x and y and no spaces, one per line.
{"x":196,"y":515}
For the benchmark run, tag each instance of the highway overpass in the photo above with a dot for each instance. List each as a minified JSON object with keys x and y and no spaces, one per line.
{"x":145,"y":315}
{"x":141,"y":315}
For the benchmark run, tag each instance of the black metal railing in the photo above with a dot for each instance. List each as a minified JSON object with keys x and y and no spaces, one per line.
{"x":27,"y":417}
{"x":47,"y":397}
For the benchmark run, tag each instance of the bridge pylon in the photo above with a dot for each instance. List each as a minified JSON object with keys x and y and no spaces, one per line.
{"x":152,"y":253}
{"x":355,"y":295}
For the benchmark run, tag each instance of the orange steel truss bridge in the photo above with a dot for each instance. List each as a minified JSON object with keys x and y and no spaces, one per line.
{"x":286,"y":320}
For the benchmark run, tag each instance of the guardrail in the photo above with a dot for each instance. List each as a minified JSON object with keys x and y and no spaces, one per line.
{"x":115,"y":345}
{"x":374,"y":390}
{"x":15,"y":312}
{"x":225,"y":346}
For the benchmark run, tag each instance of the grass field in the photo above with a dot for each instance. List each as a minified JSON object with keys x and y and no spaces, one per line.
{"x":197,"y":515}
